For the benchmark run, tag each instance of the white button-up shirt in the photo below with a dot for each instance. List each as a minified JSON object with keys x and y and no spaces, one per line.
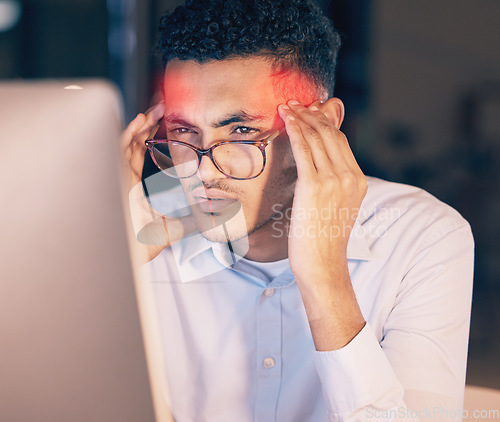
{"x":237,"y":345}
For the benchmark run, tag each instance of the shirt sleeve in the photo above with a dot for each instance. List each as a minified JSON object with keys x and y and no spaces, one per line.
{"x":417,"y":370}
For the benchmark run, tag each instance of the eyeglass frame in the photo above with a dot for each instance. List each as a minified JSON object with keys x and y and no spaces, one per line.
{"x":261,"y":144}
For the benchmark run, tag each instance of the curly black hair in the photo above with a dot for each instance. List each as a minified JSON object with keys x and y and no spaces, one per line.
{"x":292,"y":34}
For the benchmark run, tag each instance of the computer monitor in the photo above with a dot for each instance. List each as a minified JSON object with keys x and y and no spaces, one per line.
{"x":72,"y":348}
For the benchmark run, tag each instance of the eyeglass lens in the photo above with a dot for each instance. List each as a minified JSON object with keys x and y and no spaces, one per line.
{"x":236,"y":160}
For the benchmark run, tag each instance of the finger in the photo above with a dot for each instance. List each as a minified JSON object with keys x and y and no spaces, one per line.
{"x":341,"y":159}
{"x":133,"y":138}
{"x":155,"y":233}
{"x":157,"y":98}
{"x":141,"y":127}
{"x":151,"y":124}
{"x":335,"y":142}
{"x":133,"y":142}
{"x":321,"y":135}
{"x":313,"y":136}
{"x":348,"y":154}
{"x":154,"y":114}
{"x":132,"y":129}
{"x":300,"y":148}
{"x":166,"y":231}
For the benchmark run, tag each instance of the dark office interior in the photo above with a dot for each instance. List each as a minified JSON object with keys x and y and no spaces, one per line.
{"x":420,"y":81}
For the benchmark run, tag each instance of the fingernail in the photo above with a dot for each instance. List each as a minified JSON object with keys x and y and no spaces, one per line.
{"x":293,"y":102}
{"x":313,"y":108}
{"x":284,"y":107}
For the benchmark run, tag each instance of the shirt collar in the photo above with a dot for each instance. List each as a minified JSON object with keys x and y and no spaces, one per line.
{"x":357,"y":247}
{"x":196,"y":244}
{"x":192,"y":246}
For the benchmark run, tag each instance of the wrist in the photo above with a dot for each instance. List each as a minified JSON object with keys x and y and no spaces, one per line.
{"x":332,"y":309}
{"x":328,"y":337}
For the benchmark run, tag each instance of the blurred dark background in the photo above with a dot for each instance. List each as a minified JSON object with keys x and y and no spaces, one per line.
{"x":420,"y":80}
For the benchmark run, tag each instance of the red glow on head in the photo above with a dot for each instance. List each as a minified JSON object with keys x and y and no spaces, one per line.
{"x":291,"y":84}
{"x":175,"y":87}
{"x":204,"y":94}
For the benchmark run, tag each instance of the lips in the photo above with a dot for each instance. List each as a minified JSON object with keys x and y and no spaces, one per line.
{"x":212,"y":200}
{"x":212,"y":205}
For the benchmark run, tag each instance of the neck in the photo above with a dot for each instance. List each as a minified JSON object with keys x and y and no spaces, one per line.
{"x":269,"y":242}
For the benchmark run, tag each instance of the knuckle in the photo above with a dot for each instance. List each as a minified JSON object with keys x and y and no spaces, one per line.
{"x":303,"y":148}
{"x":316,"y":188}
{"x":138,"y":146}
{"x":312,"y":135}
{"x":342,"y":138}
{"x":332,"y":182}
{"x":348,"y":180}
{"x":301,"y":110}
{"x":134,"y":126}
{"x":326,"y":127}
{"x":140,"y":119}
{"x":363,"y":184}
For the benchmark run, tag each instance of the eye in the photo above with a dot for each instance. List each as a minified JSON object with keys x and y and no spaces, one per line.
{"x":181,"y":130}
{"x":245,"y":130}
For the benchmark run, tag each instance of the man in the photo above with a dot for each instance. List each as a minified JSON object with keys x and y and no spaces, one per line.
{"x":295,"y":288}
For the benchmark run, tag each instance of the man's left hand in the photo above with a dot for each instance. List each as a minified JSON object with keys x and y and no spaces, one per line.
{"x":329,"y":191}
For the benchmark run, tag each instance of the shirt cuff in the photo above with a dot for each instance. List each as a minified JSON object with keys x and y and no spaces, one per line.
{"x":358,"y":375}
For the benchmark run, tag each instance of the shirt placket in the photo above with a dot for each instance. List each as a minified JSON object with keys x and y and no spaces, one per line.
{"x":269,"y":354}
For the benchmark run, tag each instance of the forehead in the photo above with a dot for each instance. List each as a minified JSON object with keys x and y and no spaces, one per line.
{"x":218,"y":87}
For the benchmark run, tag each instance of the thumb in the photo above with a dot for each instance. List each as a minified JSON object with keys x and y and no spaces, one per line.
{"x":165,"y":231}
{"x":154,"y":233}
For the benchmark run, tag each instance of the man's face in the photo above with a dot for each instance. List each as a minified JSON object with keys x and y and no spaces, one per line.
{"x":230,"y":100}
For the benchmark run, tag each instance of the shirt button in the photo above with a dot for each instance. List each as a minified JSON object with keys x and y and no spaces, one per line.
{"x":268,"y":363}
{"x":269,"y":292}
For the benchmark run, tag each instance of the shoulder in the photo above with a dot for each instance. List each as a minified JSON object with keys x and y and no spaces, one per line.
{"x":406,"y":199}
{"x":409,"y":210}
{"x":382,"y":193}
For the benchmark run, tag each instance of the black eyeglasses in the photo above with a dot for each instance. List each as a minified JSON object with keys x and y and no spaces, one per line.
{"x":240,"y":160}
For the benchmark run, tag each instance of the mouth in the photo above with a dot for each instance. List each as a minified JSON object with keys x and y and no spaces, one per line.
{"x":212,"y":201}
{"x":212,"y":205}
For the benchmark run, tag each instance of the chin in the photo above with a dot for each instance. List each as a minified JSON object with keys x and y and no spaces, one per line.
{"x":221,"y":227}
{"x":219,"y":235}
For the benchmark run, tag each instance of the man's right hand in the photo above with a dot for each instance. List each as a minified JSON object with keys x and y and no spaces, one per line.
{"x":153,"y":230}
{"x":132,"y":142}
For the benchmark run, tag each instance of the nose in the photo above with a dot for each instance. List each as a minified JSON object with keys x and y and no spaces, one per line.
{"x":207,"y":170}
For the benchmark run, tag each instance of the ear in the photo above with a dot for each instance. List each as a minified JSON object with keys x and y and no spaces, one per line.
{"x":334,"y":109}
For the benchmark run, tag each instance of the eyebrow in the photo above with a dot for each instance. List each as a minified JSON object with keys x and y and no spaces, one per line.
{"x":241,"y":116}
